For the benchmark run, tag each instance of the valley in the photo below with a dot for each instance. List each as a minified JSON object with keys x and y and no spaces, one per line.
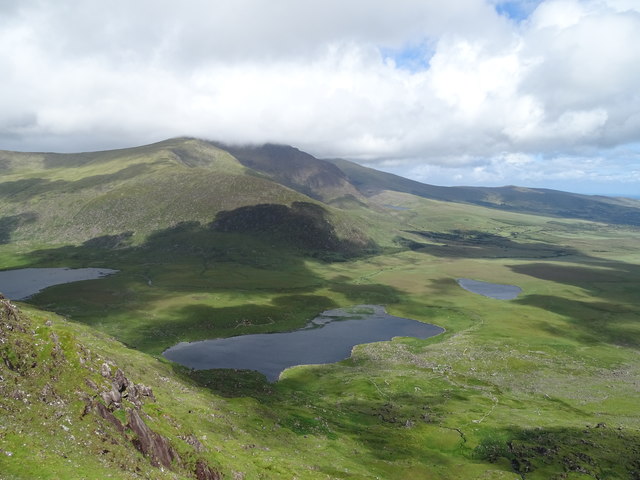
{"x":211,"y":241}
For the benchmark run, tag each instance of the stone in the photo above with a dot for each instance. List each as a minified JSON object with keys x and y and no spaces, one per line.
{"x":108,"y":416}
{"x":194,"y":442}
{"x":120,"y":382}
{"x":150,"y":443}
{"x":91,"y":384}
{"x":205,"y":472}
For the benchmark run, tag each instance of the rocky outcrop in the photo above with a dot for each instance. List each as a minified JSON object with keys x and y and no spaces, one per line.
{"x":205,"y":472}
{"x":38,"y":364}
{"x":150,"y":443}
{"x":129,"y":396}
{"x":105,"y":413}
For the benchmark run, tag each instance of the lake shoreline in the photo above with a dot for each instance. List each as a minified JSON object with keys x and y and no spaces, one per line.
{"x":496,"y":291}
{"x":328,"y":338}
{"x":21,"y":284}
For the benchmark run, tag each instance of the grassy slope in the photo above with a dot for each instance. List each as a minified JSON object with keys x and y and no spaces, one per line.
{"x":512,"y":390}
{"x":72,"y":198}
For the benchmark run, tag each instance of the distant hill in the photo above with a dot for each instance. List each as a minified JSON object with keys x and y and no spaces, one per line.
{"x":125,"y":195}
{"x":536,"y":201}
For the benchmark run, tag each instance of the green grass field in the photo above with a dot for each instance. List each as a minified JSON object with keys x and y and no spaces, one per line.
{"x":541,"y":387}
{"x":544,"y":386}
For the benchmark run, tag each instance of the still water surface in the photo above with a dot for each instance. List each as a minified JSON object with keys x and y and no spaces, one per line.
{"x":327,"y":338}
{"x":492,"y":290}
{"x":22,"y":283}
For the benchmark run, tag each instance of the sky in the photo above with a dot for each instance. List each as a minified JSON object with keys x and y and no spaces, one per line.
{"x":537,"y":93}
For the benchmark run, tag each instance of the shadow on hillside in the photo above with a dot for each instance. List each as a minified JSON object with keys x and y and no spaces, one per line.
{"x":303,"y":226}
{"x":611,"y":313}
{"x":227,"y":382}
{"x":479,"y":244}
{"x":22,"y":190}
{"x":198,"y":321}
{"x":596,"y":451}
{"x":591,"y":322}
{"x":167,"y":286}
{"x":11,"y":223}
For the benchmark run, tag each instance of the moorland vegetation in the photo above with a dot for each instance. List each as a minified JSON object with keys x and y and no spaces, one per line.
{"x":214,"y":241}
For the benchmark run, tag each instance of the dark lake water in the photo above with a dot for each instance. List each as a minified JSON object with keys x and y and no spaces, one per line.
{"x":492,"y":290}
{"x":22,"y":283}
{"x":327,"y":338}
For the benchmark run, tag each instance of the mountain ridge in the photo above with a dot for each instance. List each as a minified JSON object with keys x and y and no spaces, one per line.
{"x":513,"y":198}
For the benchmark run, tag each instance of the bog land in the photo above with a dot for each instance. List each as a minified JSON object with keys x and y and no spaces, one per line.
{"x":541,"y":386}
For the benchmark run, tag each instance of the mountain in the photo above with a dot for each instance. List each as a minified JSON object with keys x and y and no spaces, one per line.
{"x":209,"y":241}
{"x":134,"y":192}
{"x":130,"y":193}
{"x":296,"y":169}
{"x":536,"y":201}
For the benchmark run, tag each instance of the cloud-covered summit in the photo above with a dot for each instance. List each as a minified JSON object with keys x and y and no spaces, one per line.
{"x":467,"y":91}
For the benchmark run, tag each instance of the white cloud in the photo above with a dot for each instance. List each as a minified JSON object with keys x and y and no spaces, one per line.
{"x":560,"y":84}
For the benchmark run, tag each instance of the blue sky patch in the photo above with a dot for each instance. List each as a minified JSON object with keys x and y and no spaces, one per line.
{"x":517,"y":10}
{"x":414,"y":58}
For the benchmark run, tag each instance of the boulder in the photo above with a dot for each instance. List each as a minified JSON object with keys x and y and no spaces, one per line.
{"x":150,"y":443}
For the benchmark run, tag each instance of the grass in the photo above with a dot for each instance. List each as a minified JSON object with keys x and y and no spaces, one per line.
{"x":512,"y":389}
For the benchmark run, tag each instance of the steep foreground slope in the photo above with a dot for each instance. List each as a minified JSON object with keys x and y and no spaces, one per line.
{"x":69,"y":411}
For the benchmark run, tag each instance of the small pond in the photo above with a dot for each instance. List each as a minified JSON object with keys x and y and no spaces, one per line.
{"x":327,"y":338}
{"x":492,"y":290}
{"x":22,"y":283}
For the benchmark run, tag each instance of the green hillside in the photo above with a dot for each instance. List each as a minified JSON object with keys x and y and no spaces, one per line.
{"x":73,"y":198}
{"x":211,"y":243}
{"x":535,"y":201}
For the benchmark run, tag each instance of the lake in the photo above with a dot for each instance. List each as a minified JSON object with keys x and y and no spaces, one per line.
{"x":491,"y":290}
{"x":22,"y":283}
{"x":327,"y":338}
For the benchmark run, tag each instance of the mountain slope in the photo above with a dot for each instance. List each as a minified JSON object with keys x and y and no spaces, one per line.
{"x":130,"y":193}
{"x":296,"y":169}
{"x":74,"y":410}
{"x":542,"y":386}
{"x":516,"y":199}
{"x":72,"y":198}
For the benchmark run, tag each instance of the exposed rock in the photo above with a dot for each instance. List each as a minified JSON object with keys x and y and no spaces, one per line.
{"x":57,"y":352}
{"x":105,"y":370}
{"x":205,"y":472}
{"x":151,"y":444}
{"x":194,"y":442}
{"x":108,"y":416}
{"x":18,"y":394}
{"x":9,"y":317}
{"x":48,"y":394}
{"x":91,"y":384}
{"x":120,"y":382}
{"x":146,"y":392}
{"x":112,"y":396}
{"x":137,"y":391}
